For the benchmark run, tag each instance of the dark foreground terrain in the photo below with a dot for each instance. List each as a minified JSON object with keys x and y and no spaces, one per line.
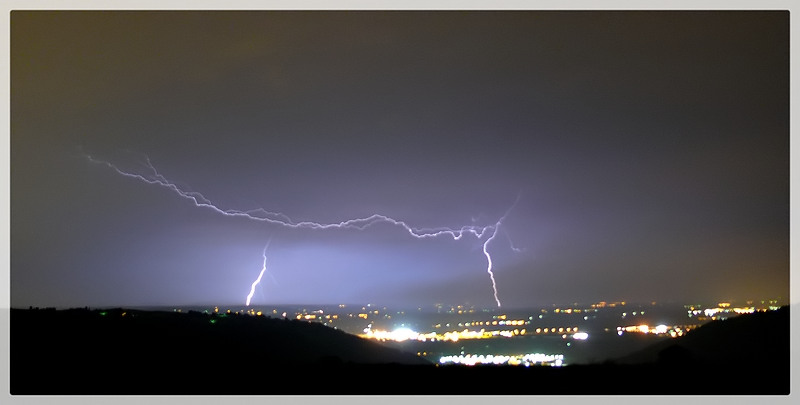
{"x":129,"y":352}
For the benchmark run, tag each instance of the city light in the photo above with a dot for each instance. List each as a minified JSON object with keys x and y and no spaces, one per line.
{"x":403,"y":334}
{"x":388,"y":326}
{"x":724,"y":308}
{"x":530,"y":359}
{"x":673,"y":331}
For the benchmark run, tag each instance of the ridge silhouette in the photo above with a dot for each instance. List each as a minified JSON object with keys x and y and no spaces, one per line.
{"x":135,"y":352}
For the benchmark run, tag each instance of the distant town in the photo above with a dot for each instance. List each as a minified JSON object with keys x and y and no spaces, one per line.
{"x":637,"y":348}
{"x":554,"y":336}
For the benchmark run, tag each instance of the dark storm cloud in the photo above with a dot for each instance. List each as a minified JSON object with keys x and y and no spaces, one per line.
{"x":649,"y":151}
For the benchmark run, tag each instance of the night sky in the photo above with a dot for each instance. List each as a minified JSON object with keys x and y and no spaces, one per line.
{"x":647,"y":152}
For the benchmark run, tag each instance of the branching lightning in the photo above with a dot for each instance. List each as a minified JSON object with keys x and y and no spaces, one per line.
{"x":489,"y":257}
{"x":276,"y":218}
{"x":511,"y":243}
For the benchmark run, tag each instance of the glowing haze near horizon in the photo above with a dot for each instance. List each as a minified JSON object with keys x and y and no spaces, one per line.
{"x":647,"y":154}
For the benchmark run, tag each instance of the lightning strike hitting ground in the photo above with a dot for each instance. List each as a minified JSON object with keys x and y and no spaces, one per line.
{"x":276,"y":218}
{"x":489,"y":260}
{"x":258,"y":280}
{"x":489,"y":257}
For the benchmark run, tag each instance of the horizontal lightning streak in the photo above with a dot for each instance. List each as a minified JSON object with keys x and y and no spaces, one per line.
{"x":200,"y":200}
{"x":263,"y":215}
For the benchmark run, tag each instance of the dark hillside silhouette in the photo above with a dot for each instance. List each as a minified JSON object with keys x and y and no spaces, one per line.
{"x":759,"y":339}
{"x":127,"y":352}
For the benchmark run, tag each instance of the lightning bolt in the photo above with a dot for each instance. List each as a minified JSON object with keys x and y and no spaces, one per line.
{"x":511,"y":243}
{"x":486,"y":251}
{"x":262,"y":215}
{"x":258,"y":280}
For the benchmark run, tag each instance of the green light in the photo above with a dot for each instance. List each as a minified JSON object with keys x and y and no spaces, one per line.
{"x":103,"y":313}
{"x":213,"y":321}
